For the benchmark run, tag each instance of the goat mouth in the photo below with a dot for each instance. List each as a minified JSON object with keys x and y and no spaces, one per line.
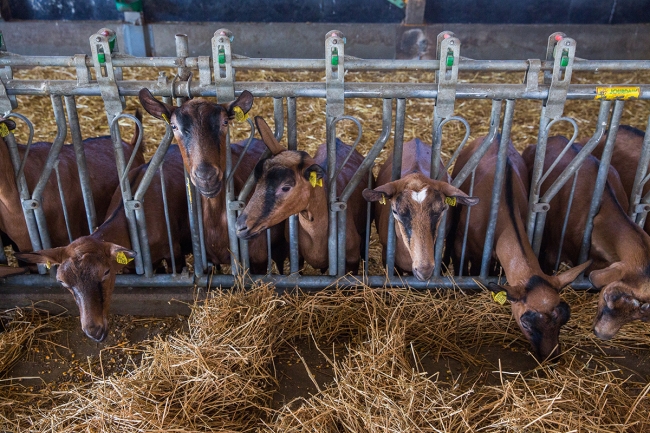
{"x":210,"y":192}
{"x":248,"y":233}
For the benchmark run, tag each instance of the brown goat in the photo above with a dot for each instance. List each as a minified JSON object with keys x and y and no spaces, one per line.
{"x":534,"y":296}
{"x":103,"y":181}
{"x":620,"y":249}
{"x":7,"y":271}
{"x":292,"y":182}
{"x":625,"y":158}
{"x":417,"y":203}
{"x":200,"y":128}
{"x":87,"y":266}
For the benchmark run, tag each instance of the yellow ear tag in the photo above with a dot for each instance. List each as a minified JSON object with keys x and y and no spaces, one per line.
{"x":451,"y":201}
{"x":122,"y":259}
{"x":500,"y":297}
{"x":4,"y":130}
{"x":382,"y":200}
{"x":48,"y":265}
{"x":165,"y":118}
{"x":314,"y":180}
{"x":240,"y":116}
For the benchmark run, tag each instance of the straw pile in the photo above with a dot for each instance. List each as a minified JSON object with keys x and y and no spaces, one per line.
{"x":18,"y":328}
{"x":220,"y":376}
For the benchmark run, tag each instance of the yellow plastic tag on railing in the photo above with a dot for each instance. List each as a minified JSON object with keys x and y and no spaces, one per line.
{"x":500,"y":297}
{"x":314,"y":180}
{"x":611,"y":93}
{"x":122,"y":259}
{"x":4,"y":131}
{"x":240,"y":116}
{"x":165,"y":118}
{"x":451,"y":201}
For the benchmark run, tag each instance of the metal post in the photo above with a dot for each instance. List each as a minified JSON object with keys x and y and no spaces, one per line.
{"x":183,"y":72}
{"x":640,"y":178}
{"x":292,"y":144}
{"x":499,"y":175}
{"x":395,"y":174}
{"x":194,"y":217}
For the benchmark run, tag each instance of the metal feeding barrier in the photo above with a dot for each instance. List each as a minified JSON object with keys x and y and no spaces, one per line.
{"x":546,"y":80}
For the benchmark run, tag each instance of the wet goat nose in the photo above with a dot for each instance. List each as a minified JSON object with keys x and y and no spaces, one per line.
{"x":240,"y":225}
{"x":97,"y":333}
{"x":423,"y":273}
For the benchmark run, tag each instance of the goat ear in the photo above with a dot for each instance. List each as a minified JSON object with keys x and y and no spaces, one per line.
{"x":603,"y":277}
{"x":156,"y":108}
{"x":314,"y":168}
{"x":53,"y":256}
{"x":121,"y":255}
{"x":567,"y":277}
{"x":459,"y":196}
{"x":11,"y":125}
{"x":386,"y":191}
{"x":511,"y":292}
{"x":244,"y":101}
{"x":7,"y":271}
{"x":267,"y":136}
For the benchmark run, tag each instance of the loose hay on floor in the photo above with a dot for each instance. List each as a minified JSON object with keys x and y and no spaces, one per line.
{"x":219,"y":375}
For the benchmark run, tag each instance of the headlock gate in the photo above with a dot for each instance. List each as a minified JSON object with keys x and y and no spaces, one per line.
{"x":547,"y":80}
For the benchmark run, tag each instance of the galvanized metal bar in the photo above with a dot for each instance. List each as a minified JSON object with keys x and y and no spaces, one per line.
{"x":194,"y":217}
{"x":641,"y":171}
{"x":566,"y":221}
{"x":396,"y":173}
{"x":472,"y":162}
{"x":52,"y":157}
{"x":366,"y":240}
{"x":460,"y":147}
{"x":292,"y":144}
{"x":183,"y":72}
{"x":601,"y":179}
{"x":82,"y":167}
{"x":341,"y":240}
{"x":170,"y":239}
{"x":463,"y":250}
{"x":199,"y":218}
{"x":231,"y":215}
{"x":499,"y":177}
{"x":64,"y":207}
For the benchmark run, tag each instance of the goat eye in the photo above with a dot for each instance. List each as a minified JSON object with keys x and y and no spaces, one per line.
{"x":108,"y":271}
{"x":286,"y":188}
{"x":174,"y":127}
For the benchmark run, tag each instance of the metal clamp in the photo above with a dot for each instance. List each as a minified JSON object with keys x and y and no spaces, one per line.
{"x":532,"y":75}
{"x":334,"y":74}
{"x":132,"y":205}
{"x":222,"y":61}
{"x":448,"y":52}
{"x":236,"y":205}
{"x":541,"y":207}
{"x":102,"y":45}
{"x":562,"y":53}
{"x":83,"y":72}
{"x":338,"y":206}
{"x":31,"y":204}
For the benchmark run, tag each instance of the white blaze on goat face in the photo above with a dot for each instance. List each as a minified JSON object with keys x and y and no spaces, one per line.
{"x":419,"y":196}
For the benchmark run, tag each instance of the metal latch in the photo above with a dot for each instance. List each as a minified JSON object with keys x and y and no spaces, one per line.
{"x":561,"y":50}
{"x":102,"y":45}
{"x":222,"y":63}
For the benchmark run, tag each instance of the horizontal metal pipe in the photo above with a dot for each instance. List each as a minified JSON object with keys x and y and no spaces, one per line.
{"x":351,"y":63}
{"x":308,"y":89}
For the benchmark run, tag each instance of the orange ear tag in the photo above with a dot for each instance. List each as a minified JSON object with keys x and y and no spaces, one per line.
{"x":240,"y":116}
{"x":314,"y":180}
{"x":165,"y":118}
{"x":4,"y":130}
{"x":451,"y":201}
{"x":500,"y":297}
{"x":382,"y":200}
{"x":122,"y":259}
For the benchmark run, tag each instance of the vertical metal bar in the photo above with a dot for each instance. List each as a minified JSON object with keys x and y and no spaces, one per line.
{"x":341,"y":240}
{"x":182,"y":51}
{"x":641,"y":171}
{"x":231,"y":215}
{"x":601,"y":179}
{"x":163,"y":189}
{"x":292,"y":144}
{"x":332,"y":228}
{"x":366,"y":251}
{"x":145,"y":251}
{"x":395,"y":174}
{"x":52,"y":157}
{"x":194,"y":216}
{"x":499,"y":176}
{"x":199,"y":219}
{"x":461,"y":264}
{"x":566,"y":221}
{"x":82,"y":167}
{"x":66,"y":216}
{"x":538,"y":169}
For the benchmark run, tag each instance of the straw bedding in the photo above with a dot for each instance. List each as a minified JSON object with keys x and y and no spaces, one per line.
{"x":220,"y":375}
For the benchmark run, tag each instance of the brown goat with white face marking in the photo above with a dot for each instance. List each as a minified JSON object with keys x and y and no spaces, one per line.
{"x":87,"y":267}
{"x":534,"y":296}
{"x":200,"y":128}
{"x":103,"y":181}
{"x":620,"y":249}
{"x":417,"y":203}
{"x":292,"y":182}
